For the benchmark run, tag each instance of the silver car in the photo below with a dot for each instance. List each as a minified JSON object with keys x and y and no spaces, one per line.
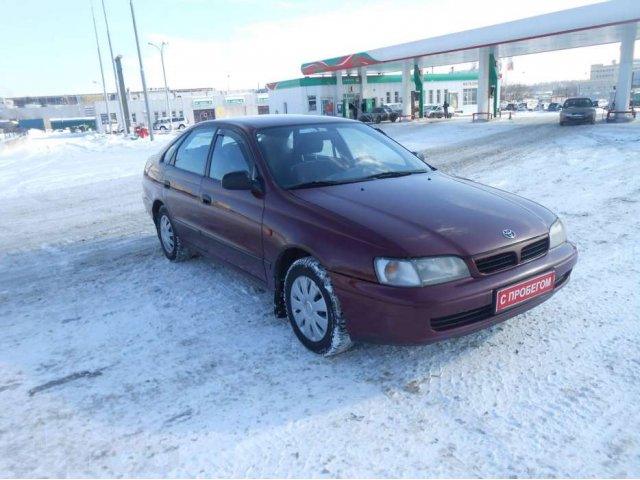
{"x":578,"y":110}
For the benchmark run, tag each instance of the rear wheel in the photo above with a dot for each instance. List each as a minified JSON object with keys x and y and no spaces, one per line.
{"x":314,"y":309}
{"x":170,"y":241}
{"x":162,"y":127}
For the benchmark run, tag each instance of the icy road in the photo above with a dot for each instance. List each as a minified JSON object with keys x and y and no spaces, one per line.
{"x":115,"y":362}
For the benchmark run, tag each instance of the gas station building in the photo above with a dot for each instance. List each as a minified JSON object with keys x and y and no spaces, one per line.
{"x":317,"y":95}
{"x":365,"y":78}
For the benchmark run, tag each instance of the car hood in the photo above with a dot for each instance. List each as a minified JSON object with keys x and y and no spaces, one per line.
{"x":431,"y":214}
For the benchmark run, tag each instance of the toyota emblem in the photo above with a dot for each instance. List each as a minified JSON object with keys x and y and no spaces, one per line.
{"x":508,"y":233}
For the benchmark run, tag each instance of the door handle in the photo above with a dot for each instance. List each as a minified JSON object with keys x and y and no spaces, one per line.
{"x":206,"y":199}
{"x":167,"y":184}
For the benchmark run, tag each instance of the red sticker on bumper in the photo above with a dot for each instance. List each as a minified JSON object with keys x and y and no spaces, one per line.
{"x":521,"y":292}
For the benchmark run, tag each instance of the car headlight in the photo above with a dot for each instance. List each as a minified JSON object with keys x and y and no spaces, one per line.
{"x":417,"y":272}
{"x":557,"y":234}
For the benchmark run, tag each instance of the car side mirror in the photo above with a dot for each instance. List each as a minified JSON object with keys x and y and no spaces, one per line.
{"x":241,"y":181}
{"x":420,"y":155}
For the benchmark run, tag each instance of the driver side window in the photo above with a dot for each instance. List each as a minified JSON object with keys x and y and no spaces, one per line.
{"x":230,"y":154}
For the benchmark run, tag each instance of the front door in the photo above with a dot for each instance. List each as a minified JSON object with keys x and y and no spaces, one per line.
{"x":453,"y":102}
{"x":182,"y":177}
{"x":232,"y":219}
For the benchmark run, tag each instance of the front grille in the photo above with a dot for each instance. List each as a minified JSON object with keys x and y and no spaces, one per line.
{"x":496,"y":262}
{"x":461,"y":319}
{"x":534,"y":250}
{"x":504,"y":260}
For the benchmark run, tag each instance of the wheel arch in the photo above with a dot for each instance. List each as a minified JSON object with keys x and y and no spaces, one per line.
{"x":280,"y":268}
{"x":157,"y":204}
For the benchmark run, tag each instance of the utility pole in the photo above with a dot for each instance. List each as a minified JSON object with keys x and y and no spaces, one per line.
{"x":164,"y":74}
{"x":125,"y":105}
{"x":119,"y":94}
{"x":144,"y":82}
{"x":104,"y":87}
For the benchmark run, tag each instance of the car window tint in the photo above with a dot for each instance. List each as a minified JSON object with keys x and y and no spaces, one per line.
{"x":193,"y":152}
{"x":230,"y":154}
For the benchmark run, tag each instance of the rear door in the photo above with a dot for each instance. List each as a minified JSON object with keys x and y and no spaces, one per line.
{"x":183,"y":174}
{"x":232,"y":219}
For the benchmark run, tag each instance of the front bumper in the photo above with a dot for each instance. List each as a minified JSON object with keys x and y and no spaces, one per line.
{"x":576,"y":118}
{"x":391,"y":315}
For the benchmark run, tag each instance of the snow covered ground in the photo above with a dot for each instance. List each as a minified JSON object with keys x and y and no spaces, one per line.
{"x":115,"y":362}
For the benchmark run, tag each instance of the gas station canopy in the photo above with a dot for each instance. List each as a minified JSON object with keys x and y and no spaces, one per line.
{"x":586,"y":26}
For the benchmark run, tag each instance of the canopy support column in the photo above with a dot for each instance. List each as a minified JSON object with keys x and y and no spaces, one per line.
{"x":406,"y":89}
{"x":364,"y":87}
{"x":623,"y":90}
{"x":483,"y":83}
{"x":339,"y":97}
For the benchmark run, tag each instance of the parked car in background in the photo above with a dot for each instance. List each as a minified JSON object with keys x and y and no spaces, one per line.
{"x":578,"y":110}
{"x":522,"y":107}
{"x":327,"y":213}
{"x":554,"y":107}
{"x":164,"y":123}
{"x":379,"y":114}
{"x":433,"y":111}
{"x":511,"y":107}
{"x":395,"y":107}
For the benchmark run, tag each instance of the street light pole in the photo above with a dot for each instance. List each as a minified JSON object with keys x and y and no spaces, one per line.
{"x":119,"y":94}
{"x":164,"y":75}
{"x":144,"y":83}
{"x":104,"y":88}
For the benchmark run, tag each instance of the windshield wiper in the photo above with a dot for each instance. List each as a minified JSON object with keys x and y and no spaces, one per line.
{"x":393,"y":174}
{"x":318,"y":183}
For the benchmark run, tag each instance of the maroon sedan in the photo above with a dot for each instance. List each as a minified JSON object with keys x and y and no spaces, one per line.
{"x":359,"y":238}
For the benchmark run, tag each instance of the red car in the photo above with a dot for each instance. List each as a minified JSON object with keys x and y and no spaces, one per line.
{"x":359,"y":238}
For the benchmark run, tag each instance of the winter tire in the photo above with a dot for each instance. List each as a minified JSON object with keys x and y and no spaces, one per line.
{"x":170,"y":241}
{"x":314,"y":309}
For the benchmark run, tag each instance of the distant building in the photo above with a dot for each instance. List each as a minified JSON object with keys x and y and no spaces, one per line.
{"x":603,"y":79}
{"x":195,"y":104}
{"x":317,"y":95}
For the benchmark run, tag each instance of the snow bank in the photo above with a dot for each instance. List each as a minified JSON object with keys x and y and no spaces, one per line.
{"x":115,"y":362}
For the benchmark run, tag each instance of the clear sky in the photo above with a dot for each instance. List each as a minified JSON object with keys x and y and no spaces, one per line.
{"x":48,"y":46}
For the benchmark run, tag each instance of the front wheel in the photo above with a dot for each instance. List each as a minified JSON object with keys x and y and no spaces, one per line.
{"x":314,"y":309}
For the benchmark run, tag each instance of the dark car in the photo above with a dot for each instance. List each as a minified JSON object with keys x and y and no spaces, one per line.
{"x":554,"y":107}
{"x":379,"y":114}
{"x":359,"y":238}
{"x":578,"y":110}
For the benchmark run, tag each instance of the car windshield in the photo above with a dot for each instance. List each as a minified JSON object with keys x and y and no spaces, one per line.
{"x":302,"y":156}
{"x":578,"y":103}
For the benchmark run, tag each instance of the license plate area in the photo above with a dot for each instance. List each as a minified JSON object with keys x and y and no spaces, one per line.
{"x":520,"y":292}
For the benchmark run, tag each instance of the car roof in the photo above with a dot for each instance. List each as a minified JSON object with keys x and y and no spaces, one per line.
{"x":264,"y":121}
